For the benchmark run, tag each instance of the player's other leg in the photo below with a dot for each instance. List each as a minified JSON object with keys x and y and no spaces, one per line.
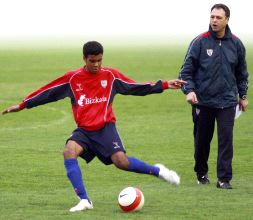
{"x":124,"y":162}
{"x":71,"y":152}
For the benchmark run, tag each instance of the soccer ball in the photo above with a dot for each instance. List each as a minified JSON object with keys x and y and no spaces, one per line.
{"x":131,"y":199}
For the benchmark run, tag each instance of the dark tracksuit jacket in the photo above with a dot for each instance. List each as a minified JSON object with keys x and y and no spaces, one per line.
{"x":215,"y":69}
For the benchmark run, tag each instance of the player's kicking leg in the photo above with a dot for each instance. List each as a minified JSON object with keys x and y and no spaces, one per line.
{"x":168,"y":175}
{"x":122,"y":161}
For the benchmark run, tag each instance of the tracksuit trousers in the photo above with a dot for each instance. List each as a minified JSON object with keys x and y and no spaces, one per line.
{"x":204,"y":123}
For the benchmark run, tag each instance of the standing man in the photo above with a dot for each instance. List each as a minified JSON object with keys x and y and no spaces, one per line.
{"x":217,"y":80}
{"x":91,"y":90}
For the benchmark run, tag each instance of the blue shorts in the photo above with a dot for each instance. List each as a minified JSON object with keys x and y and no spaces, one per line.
{"x":102,"y":143}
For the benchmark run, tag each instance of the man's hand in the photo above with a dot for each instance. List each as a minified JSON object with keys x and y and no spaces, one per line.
{"x":192,"y":98}
{"x":14,"y":108}
{"x":243,"y":104}
{"x":176,"y":83}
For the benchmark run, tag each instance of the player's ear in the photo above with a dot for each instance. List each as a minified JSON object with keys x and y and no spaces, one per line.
{"x":84,"y":58}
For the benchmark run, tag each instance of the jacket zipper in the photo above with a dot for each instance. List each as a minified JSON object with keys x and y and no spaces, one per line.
{"x":221,"y":59}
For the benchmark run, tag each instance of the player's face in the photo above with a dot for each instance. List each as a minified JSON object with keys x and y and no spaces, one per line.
{"x":93,"y":63}
{"x":218,"y":21}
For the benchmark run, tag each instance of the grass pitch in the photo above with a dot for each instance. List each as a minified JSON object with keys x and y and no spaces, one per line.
{"x":155,"y":128}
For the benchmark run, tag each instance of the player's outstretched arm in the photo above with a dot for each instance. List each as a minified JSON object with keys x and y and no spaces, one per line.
{"x":14,"y":108}
{"x":176,"y":83}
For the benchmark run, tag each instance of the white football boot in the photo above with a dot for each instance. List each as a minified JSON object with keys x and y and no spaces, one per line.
{"x":169,"y":176}
{"x":82,"y":205}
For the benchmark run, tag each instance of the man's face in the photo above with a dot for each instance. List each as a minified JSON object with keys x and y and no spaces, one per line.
{"x":93,"y":63}
{"x":218,"y":20}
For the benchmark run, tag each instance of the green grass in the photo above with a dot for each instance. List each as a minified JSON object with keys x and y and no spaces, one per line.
{"x":156,"y":128}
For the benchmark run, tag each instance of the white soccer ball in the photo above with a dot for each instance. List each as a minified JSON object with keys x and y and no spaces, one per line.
{"x":131,"y":199}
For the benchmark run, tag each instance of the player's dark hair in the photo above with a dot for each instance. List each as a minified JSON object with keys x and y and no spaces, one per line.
{"x":92,"y":48}
{"x":224,"y":7}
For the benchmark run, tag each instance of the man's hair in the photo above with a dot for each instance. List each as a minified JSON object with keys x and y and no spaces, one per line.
{"x":224,"y":7}
{"x":92,"y":48}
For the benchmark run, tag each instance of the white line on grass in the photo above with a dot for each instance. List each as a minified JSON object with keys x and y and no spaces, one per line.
{"x":66,"y":116}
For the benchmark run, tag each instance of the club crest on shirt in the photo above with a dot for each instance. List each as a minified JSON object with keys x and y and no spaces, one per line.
{"x":104,"y":83}
{"x":209,"y":52}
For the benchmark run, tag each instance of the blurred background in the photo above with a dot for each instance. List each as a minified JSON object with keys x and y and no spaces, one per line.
{"x":59,"y":21}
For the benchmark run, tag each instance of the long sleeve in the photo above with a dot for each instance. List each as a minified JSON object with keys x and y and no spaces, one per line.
{"x":51,"y":92}
{"x":126,"y":86}
{"x":241,"y":72}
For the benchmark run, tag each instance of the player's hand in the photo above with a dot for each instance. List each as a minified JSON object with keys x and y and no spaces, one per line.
{"x":176,"y":83}
{"x":14,"y":108}
{"x":191,"y":98}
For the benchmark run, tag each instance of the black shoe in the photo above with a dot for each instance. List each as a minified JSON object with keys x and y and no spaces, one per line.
{"x":203,"y":180}
{"x":224,"y":185}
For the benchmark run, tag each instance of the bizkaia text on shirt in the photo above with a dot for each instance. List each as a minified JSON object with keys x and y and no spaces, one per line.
{"x":87,"y":101}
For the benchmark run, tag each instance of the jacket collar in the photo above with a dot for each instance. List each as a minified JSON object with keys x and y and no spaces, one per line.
{"x":228,"y":33}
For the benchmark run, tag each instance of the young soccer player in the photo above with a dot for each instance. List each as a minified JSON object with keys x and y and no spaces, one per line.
{"x":91,"y":90}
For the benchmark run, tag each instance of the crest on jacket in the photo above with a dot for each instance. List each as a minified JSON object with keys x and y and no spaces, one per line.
{"x":209,"y":52}
{"x":104,"y":83}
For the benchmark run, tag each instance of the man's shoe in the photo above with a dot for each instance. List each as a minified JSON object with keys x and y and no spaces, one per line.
{"x":82,"y":205}
{"x":169,"y":176}
{"x":203,"y":180}
{"x":224,"y":185}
